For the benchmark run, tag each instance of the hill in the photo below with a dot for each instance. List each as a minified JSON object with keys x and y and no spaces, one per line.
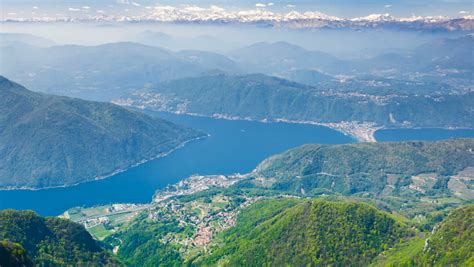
{"x":405,"y":168}
{"x":310,"y":233}
{"x":261,"y":97}
{"x":48,"y":141}
{"x":50,"y":241}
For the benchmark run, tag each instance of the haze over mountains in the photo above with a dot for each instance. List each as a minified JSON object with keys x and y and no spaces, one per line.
{"x":49,"y":141}
{"x":429,"y":86}
{"x":112,"y":70}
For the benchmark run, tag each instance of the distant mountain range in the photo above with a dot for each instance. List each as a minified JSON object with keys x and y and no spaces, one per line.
{"x":110,"y":71}
{"x":104,"y":72}
{"x":95,"y":72}
{"x":9,"y":39}
{"x":440,"y":57}
{"x":49,"y":141}
{"x":263,"y":17}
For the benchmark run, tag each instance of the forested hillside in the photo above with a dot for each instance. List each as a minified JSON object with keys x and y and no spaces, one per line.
{"x":50,"y":241}
{"x":377,"y":168}
{"x":450,"y":244}
{"x":13,"y":254}
{"x":318,"y":233}
{"x":48,"y":141}
{"x":260,"y":97}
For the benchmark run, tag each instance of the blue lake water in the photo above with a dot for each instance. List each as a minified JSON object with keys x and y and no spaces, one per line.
{"x":426,"y":134}
{"x":234,"y":146}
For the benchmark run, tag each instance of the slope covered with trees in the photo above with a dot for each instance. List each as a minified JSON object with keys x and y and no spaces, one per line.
{"x":50,"y":141}
{"x":317,"y":233}
{"x":450,"y":244}
{"x":377,"y":168}
{"x":13,"y":254}
{"x":453,"y":241}
{"x":261,"y":97}
{"x":50,"y":241}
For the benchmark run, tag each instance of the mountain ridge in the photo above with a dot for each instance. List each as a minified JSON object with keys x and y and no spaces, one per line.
{"x":51,"y":141}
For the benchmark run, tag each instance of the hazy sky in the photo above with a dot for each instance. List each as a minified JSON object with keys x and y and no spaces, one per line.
{"x":341,"y":8}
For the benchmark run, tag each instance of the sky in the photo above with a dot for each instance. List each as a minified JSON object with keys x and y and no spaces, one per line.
{"x":339,"y":8}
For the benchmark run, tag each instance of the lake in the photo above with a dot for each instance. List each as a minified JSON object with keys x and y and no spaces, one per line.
{"x":426,"y":134}
{"x":233,"y":146}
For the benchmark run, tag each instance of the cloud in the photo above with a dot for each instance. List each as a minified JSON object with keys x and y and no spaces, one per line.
{"x":463,"y":12}
{"x":73,"y":9}
{"x":135,"y":4}
{"x":260,"y":5}
{"x":100,"y":11}
{"x":86,"y":7}
{"x":291,"y":6}
{"x":35,"y":7}
{"x":388,"y":6}
{"x":270,"y":4}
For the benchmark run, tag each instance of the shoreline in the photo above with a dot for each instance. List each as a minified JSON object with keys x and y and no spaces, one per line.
{"x":361,"y":131}
{"x":113,"y":173}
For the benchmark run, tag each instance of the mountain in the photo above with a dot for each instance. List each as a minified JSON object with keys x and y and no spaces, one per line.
{"x":405,"y":169}
{"x":50,"y":241}
{"x":440,"y":60}
{"x":447,"y":54}
{"x":263,"y":17}
{"x":48,"y":141}
{"x":210,"y":60}
{"x":314,"y":232}
{"x":93,"y":72}
{"x":270,"y":58}
{"x":176,"y":43}
{"x":260,"y":97}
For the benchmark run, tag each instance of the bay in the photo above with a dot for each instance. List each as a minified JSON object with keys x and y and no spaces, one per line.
{"x":232,"y":147}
